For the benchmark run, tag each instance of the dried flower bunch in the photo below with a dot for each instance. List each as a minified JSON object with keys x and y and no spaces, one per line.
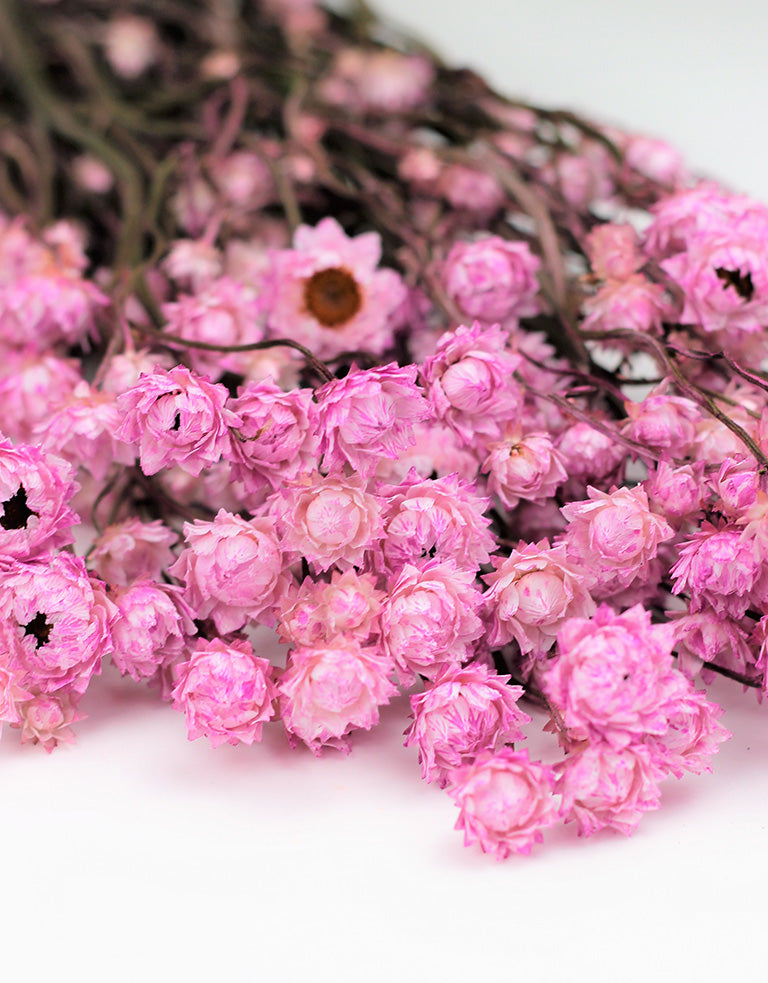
{"x":461,"y":397}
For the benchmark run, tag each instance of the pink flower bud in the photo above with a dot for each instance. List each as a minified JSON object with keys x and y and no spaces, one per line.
{"x":176,"y":418}
{"x":277,"y":441}
{"x":150,"y":627}
{"x":737,"y":484}
{"x":524,"y":467}
{"x":470,"y":384}
{"x":328,"y":520}
{"x":614,"y":251}
{"x":465,"y":712}
{"x":694,"y":735}
{"x":505,"y":802}
{"x":46,"y":719}
{"x":677,"y":493}
{"x":327,"y":691}
{"x":54,"y":608}
{"x":492,"y":279}
{"x":132,"y":550}
{"x":666,"y":424}
{"x":225,"y":691}
{"x":718,"y":568}
{"x":368,"y":415}
{"x":613,"y":537}
{"x":614,"y":680}
{"x":82,"y":431}
{"x":35,"y":489}
{"x":430,"y":618}
{"x":604,"y":787}
{"x":316,"y":612}
{"x":440,"y":519}
{"x":531,"y":593}
{"x":232,"y":570}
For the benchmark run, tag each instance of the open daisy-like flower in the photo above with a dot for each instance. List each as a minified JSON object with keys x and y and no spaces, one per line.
{"x":329,"y":294}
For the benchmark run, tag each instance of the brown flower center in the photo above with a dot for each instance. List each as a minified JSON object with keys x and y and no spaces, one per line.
{"x":16,"y":512}
{"x":741,"y":282}
{"x":332,"y":296}
{"x":40,"y":628}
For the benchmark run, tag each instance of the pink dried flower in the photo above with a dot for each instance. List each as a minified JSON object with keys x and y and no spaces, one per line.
{"x":430,"y":618}
{"x":678,"y":494}
{"x":605,"y":787}
{"x":31,"y":385}
{"x":193,"y":263}
{"x":150,"y":628}
{"x":329,"y":294}
{"x":492,"y":279}
{"x":436,"y":450}
{"x":613,"y":680}
{"x":131,"y":45}
{"x":582,"y":178}
{"x":737,"y":484}
{"x":368,"y":415}
{"x":470,"y":384}
{"x":49,"y":308}
{"x":176,"y":418}
{"x":377,"y":80}
{"x":232,"y":570}
{"x":505,"y":801}
{"x":47,"y":718}
{"x":724,"y":279}
{"x":524,"y":466}
{"x":125,"y":370}
{"x":465,"y":712}
{"x":708,"y":637}
{"x":82,"y":431}
{"x":34,"y":491}
{"x":471,"y":189}
{"x":635,"y":302}
{"x":244,"y":180}
{"x":440,"y":519}
{"x":223,"y":312}
{"x":531,"y":593}
{"x":592,"y":457}
{"x":681,"y":218}
{"x":656,"y":159}
{"x":316,"y":612}
{"x":693,"y":736}
{"x":12,"y":694}
{"x":714,"y":441}
{"x":613,"y":537}
{"x":278,"y":441}
{"x":614,"y":251}
{"x":132,"y":550}
{"x":55,"y":610}
{"x":328,"y":520}
{"x":718,"y":568}
{"x":665,"y":424}
{"x":327,"y":691}
{"x":225,"y":691}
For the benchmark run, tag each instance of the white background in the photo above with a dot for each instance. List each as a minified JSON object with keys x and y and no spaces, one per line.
{"x":139,"y":855}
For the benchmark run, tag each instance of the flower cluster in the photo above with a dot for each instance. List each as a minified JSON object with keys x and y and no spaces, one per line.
{"x":355,"y":374}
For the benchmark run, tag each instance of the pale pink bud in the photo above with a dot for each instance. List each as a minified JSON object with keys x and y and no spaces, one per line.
{"x":465,"y":712}
{"x":505,"y":801}
{"x":225,"y":691}
{"x":327,"y":691}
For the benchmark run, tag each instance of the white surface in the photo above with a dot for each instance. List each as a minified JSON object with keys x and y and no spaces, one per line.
{"x":139,"y":855}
